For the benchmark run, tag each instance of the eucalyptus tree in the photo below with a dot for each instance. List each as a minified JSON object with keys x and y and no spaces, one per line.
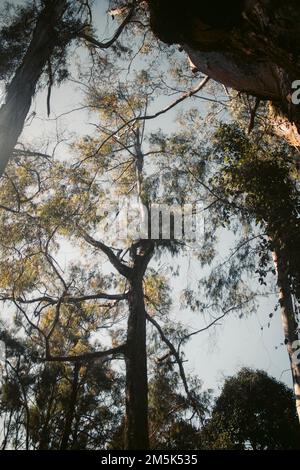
{"x":172,"y":421}
{"x":62,"y":203}
{"x":36,"y":39}
{"x":252,"y":189}
{"x":173,"y":424}
{"x":259,"y":179}
{"x":36,"y":286}
{"x":244,"y":417}
{"x":56,"y":406}
{"x":249,"y":184}
{"x":230,"y":43}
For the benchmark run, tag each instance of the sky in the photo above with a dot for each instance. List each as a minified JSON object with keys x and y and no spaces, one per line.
{"x":231,"y":344}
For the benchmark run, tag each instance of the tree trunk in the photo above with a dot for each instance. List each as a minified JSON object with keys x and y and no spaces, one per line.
{"x":290,"y":326}
{"x":71,"y":409}
{"x":22,"y":88}
{"x":44,"y":436}
{"x":136,"y":425}
{"x":249,"y":45}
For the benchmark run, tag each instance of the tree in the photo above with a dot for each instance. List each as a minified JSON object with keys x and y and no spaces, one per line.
{"x":68,"y":202}
{"x":257,"y":179}
{"x":51,"y":26}
{"x":231,"y":44}
{"x":54,"y":405}
{"x":23,"y":85}
{"x":249,"y":184}
{"x":173,"y":424}
{"x":47,"y":204}
{"x":224,"y":42}
{"x":254,"y":411}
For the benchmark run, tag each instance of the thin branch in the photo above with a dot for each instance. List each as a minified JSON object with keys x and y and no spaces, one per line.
{"x":178,"y":359}
{"x":86,"y":356}
{"x":182,"y":98}
{"x":28,"y":153}
{"x":253,"y":113}
{"x":244,"y":243}
{"x":106,"y":45}
{"x":231,"y":309}
{"x":50,"y":85}
{"x":97,"y":296}
{"x":56,"y":319}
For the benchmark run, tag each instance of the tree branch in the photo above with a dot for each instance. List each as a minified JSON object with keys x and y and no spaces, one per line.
{"x":117,"y":264}
{"x":67,"y":299}
{"x":86,"y":356}
{"x":216,"y":320}
{"x":106,"y":45}
{"x":184,"y":96}
{"x":194,"y":402}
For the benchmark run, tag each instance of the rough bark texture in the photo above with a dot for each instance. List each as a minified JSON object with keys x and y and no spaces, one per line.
{"x":136,"y":428}
{"x":290,"y":326}
{"x":22,"y":87}
{"x":136,"y":423}
{"x":252,"y":46}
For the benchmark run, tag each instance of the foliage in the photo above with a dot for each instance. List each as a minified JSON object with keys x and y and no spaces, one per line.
{"x":36,"y":398}
{"x":254,"y":411}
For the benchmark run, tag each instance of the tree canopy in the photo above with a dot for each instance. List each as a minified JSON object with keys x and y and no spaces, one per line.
{"x":181,"y":156}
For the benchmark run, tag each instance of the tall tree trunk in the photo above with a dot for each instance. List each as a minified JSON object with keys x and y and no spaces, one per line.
{"x":290,"y":326}
{"x":136,"y":425}
{"x":71,"y":409}
{"x":249,"y":45}
{"x":44,"y":435}
{"x":22,"y":88}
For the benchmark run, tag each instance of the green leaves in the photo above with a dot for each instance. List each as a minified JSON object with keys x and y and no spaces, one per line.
{"x":245,"y":417}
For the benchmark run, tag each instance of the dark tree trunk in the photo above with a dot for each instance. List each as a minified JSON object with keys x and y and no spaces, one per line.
{"x":71,"y":409}
{"x":289,"y":323}
{"x":44,"y":436}
{"x":252,"y":46}
{"x":22,"y":88}
{"x":136,"y":425}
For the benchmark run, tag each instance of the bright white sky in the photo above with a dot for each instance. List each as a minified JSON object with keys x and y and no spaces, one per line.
{"x":233,"y":343}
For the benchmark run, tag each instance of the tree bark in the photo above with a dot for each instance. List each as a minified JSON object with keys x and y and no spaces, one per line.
{"x":71,"y":409}
{"x":22,"y":88}
{"x":289,"y":323}
{"x":136,"y":424}
{"x":250,"y":45}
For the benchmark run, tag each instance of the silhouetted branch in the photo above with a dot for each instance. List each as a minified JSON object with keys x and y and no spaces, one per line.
{"x":86,"y":356}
